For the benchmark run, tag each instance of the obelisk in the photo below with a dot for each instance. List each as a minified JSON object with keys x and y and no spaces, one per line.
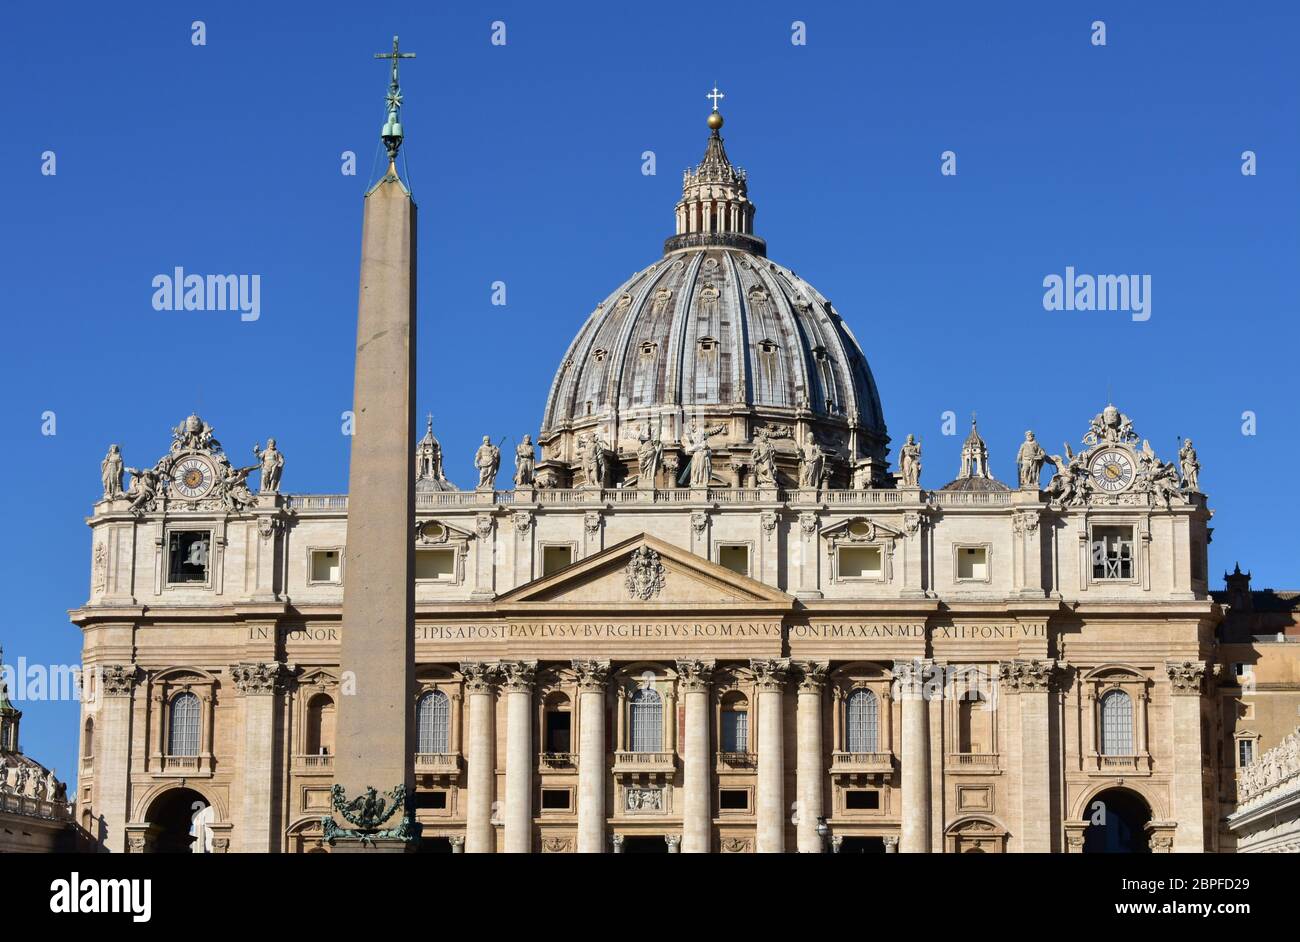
{"x":374,"y":736}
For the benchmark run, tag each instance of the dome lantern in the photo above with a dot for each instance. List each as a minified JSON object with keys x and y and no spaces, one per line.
{"x":715,"y":208}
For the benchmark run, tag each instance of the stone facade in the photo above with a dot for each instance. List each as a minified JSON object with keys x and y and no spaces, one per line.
{"x":709,"y":619}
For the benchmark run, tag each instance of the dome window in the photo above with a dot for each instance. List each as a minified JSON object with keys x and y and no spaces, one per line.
{"x":708,"y":346}
{"x":768,"y":347}
{"x":648,"y":349}
{"x":599,"y":356}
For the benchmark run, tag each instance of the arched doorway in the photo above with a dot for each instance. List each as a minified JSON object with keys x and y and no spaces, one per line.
{"x":1117,"y":820}
{"x":177,"y":818}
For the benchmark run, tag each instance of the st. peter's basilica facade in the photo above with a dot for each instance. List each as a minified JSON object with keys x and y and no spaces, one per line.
{"x":708,"y":616}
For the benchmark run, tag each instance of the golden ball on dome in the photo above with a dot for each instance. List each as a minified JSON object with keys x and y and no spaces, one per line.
{"x":715,"y":120}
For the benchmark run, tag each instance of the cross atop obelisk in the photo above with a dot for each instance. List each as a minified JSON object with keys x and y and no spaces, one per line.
{"x":392,"y":130}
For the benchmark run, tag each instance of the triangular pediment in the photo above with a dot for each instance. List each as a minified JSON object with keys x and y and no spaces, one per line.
{"x":647,"y":572}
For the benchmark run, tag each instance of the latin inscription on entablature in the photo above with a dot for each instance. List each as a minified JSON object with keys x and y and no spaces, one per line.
{"x":326,"y":634}
{"x":988,"y":632}
{"x":596,"y":631}
{"x":831,"y":631}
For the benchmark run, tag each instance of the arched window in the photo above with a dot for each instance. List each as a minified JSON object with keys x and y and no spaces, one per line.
{"x":645,"y":727}
{"x":1117,"y":724}
{"x":862,"y":727}
{"x":183,"y":726}
{"x":320,"y":725}
{"x":432,"y":721}
{"x":735,"y":725}
{"x":88,"y":747}
{"x":974,"y":724}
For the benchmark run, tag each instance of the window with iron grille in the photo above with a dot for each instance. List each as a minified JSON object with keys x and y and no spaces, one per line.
{"x":183,"y":726}
{"x":645,"y":725}
{"x":1117,"y":724}
{"x":432,"y":717}
{"x":1112,"y":553}
{"x":863,"y":723}
{"x":735,"y":730}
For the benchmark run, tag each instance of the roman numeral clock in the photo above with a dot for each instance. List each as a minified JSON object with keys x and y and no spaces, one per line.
{"x":1112,"y":470}
{"x":193,"y":477}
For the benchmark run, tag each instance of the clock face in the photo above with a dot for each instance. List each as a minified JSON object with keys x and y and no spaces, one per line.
{"x":1112,"y":470}
{"x":192,"y":477}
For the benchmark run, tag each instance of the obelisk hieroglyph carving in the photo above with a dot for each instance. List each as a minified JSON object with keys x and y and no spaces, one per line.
{"x":375,"y":747}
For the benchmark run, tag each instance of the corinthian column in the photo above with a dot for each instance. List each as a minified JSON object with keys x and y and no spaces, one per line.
{"x":910,"y":677}
{"x":810,"y":771}
{"x":1186,"y":679}
{"x":591,"y":755}
{"x":697,"y":822}
{"x":1030,"y":682}
{"x":258,"y":685}
{"x":113,"y":752}
{"x":519,"y":755}
{"x":480,"y":759}
{"x":769,"y":679}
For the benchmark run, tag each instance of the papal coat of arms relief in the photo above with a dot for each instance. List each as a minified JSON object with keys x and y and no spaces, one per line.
{"x":644,"y":574}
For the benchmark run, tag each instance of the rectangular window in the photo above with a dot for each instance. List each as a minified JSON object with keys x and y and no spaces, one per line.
{"x":436,"y":565}
{"x":733,"y":799}
{"x":555,"y":558}
{"x":860,"y":562}
{"x":436,"y":801}
{"x":326,"y":566}
{"x":188,"y":553}
{"x":735,"y":558}
{"x":556,"y":799}
{"x":1245,"y":752}
{"x":973,"y":563}
{"x":1112,"y":553}
{"x":861,"y":799}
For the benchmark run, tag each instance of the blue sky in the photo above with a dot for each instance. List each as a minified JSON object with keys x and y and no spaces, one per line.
{"x":526,"y":164}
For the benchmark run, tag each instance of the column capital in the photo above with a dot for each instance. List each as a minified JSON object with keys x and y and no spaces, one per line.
{"x":910,"y":677}
{"x":770,"y":673}
{"x":1186,"y":677}
{"x":891,"y":843}
{"x":591,"y":674}
{"x":117,"y":680}
{"x":812,"y":675}
{"x":1027,"y":675}
{"x":258,"y":677}
{"x":478,"y":676}
{"x":518,"y":675}
{"x":694,"y":674}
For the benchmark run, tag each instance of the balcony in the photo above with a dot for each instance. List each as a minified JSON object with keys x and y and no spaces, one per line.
{"x":437,"y":763}
{"x":737,"y":761}
{"x":973,"y":762}
{"x":314,"y":764}
{"x":556,"y":762}
{"x":1118,"y":765}
{"x":863,"y":765}
{"x":644,"y":764}
{"x":183,"y":765}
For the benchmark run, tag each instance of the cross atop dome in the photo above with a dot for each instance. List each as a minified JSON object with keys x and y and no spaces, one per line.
{"x":716,"y":95}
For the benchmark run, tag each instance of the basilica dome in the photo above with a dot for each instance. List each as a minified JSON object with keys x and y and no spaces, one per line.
{"x":716,"y":334}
